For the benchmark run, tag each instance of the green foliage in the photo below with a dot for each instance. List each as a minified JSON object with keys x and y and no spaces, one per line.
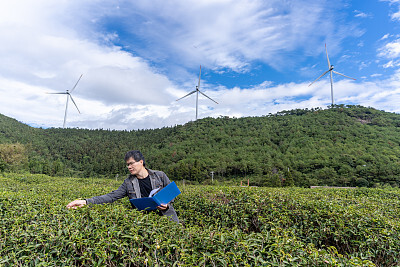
{"x":12,"y":156}
{"x":361,"y":182}
{"x":221,"y":226}
{"x":339,"y":146}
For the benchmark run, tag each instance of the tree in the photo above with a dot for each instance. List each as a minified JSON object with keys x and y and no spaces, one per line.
{"x":12,"y":156}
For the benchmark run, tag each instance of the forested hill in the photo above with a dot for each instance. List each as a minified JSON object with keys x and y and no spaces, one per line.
{"x":342,"y":146}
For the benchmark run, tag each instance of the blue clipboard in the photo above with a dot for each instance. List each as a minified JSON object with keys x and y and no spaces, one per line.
{"x":163,"y":196}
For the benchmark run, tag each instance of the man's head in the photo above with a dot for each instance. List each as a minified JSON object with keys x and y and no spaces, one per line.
{"x":135,"y":162}
{"x":136,"y":155}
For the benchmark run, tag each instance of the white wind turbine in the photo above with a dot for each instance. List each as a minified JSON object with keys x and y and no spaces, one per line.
{"x":68,"y":93}
{"x":197,"y":91}
{"x":330,"y":70}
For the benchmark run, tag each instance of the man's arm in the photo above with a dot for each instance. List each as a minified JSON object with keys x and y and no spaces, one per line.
{"x":165,"y":180}
{"x":107,"y":198}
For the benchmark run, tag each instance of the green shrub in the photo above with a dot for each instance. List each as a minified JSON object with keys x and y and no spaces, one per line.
{"x":361,"y":182}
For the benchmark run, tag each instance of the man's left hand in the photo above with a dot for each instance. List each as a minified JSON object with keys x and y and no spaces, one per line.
{"x":163,"y":207}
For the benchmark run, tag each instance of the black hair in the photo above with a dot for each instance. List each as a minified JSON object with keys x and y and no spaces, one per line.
{"x":136,"y":155}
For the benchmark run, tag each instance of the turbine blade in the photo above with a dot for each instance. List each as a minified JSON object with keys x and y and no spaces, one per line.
{"x":343,"y":75}
{"x":329,"y":64}
{"x":74,"y":103}
{"x":319,"y":77}
{"x":208,"y":97}
{"x":187,"y":95}
{"x":198,"y":87}
{"x":76,"y":83}
{"x":58,"y":93}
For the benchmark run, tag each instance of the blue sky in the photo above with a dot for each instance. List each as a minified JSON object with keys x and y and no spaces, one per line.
{"x":138,"y":57}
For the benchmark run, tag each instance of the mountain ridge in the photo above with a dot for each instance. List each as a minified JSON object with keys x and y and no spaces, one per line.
{"x":339,"y":146}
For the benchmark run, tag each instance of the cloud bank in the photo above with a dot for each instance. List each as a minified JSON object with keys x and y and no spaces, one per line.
{"x":138,"y":57}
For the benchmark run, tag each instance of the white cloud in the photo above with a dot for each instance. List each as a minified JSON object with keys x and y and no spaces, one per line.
{"x":395,"y":15}
{"x":391,"y":64}
{"x":360,"y":14}
{"x":386,"y":36}
{"x":231,"y":34}
{"x":390,"y":50}
{"x":43,"y":50}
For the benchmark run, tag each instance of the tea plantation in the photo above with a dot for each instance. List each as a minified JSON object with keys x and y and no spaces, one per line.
{"x":220,"y":226}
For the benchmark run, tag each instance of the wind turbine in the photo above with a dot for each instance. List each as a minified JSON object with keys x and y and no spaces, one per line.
{"x":197,"y":91}
{"x":68,"y":93}
{"x":330,"y":70}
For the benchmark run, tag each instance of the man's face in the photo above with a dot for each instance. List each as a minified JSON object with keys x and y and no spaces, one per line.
{"x":133,"y":166}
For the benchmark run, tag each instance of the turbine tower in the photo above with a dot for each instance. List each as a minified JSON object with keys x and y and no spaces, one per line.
{"x":68,"y":93}
{"x":197,"y":91}
{"x":330,"y":70}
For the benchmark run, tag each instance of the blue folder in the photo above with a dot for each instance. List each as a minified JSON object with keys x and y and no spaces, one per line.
{"x":163,"y":196}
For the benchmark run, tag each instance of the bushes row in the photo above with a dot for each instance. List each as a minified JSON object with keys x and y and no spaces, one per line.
{"x":221,"y":226}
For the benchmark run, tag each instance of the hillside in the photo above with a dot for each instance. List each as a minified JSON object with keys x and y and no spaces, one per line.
{"x":342,"y":146}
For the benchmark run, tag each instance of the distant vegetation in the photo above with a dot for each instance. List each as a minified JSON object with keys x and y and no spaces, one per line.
{"x":339,"y":146}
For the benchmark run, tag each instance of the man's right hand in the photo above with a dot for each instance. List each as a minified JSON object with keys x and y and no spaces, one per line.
{"x":76,"y":204}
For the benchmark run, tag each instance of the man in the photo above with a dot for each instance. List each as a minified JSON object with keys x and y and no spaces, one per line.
{"x":138,"y":184}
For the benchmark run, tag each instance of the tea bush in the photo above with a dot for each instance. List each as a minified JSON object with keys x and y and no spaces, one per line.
{"x":357,"y":222}
{"x":220,"y":226}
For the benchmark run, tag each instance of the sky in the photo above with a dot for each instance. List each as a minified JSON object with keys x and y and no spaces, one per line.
{"x":138,"y":57}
